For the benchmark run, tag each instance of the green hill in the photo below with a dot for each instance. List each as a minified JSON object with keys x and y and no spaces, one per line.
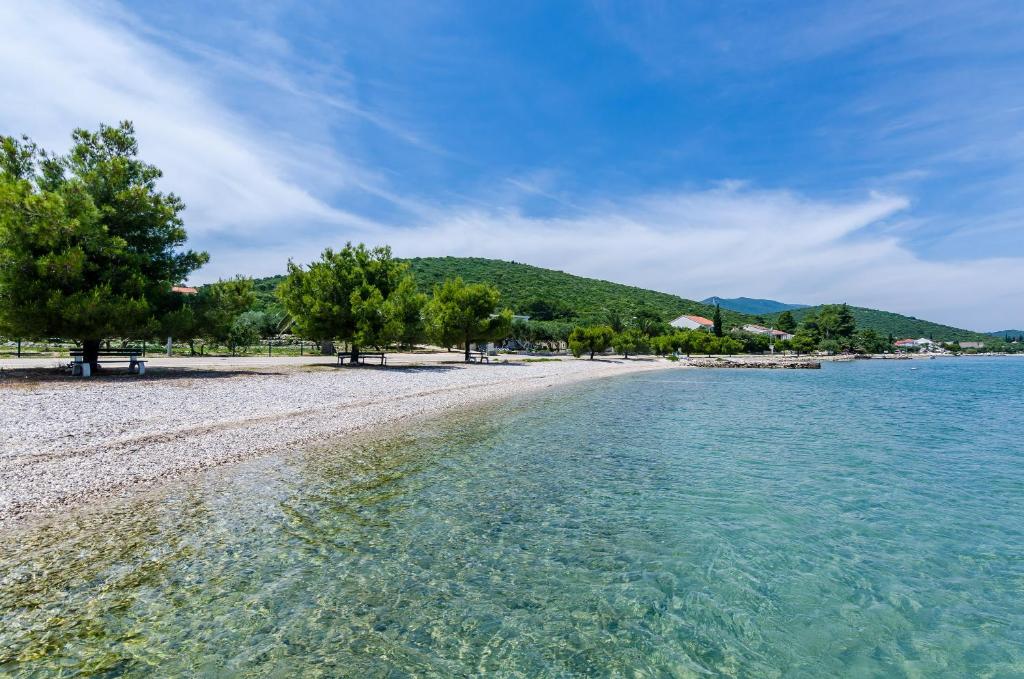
{"x":521,"y":284}
{"x":886,"y":323}
{"x":589,"y":298}
{"x":1007,"y":334}
{"x":264,"y":289}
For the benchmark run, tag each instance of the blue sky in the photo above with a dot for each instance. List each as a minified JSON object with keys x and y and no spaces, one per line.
{"x":813,"y":152}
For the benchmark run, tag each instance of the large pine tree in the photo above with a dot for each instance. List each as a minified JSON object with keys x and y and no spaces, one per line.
{"x":89,"y":248}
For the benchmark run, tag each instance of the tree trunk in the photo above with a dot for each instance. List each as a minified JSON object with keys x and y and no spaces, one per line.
{"x":354,"y":355}
{"x":91,"y":353}
{"x":591,"y":354}
{"x":467,"y":348}
{"x":327,"y":348}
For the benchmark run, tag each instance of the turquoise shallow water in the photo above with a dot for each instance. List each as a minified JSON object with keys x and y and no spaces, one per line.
{"x":863,"y":520}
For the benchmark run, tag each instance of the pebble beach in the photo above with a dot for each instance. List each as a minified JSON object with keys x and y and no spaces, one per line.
{"x":67,"y":441}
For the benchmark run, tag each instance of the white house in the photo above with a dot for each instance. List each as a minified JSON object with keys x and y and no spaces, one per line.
{"x":761,"y":330}
{"x":693,"y":323}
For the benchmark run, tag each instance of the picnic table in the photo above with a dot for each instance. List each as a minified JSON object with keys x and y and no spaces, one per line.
{"x":129,"y":356}
{"x":376,"y":355}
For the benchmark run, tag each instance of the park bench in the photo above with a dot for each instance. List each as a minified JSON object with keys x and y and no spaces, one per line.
{"x":377,"y":355}
{"x":129,"y":356}
{"x":479,"y":357}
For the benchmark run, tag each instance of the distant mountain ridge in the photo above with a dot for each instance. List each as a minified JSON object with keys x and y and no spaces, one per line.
{"x":1007,"y":333}
{"x":752,"y":305}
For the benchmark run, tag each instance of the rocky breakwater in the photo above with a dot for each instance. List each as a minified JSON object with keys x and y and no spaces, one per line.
{"x":754,"y":362}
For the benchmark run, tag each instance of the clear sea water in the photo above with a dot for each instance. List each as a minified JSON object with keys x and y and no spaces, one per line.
{"x":865,"y":520}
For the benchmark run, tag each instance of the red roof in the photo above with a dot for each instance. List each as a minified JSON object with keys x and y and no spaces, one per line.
{"x":184,"y":290}
{"x":701,"y":320}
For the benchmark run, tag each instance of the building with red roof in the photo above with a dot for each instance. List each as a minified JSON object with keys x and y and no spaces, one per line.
{"x":693,"y":323}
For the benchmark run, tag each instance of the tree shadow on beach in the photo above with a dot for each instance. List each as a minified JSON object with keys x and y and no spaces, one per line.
{"x":25,"y":376}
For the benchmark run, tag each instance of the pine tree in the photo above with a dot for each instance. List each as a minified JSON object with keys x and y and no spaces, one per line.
{"x":89,"y":248}
{"x":347,"y":295}
{"x":786,"y":322}
{"x":466,"y":313}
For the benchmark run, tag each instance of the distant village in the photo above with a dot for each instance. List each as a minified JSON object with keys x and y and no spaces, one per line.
{"x":910,"y":345}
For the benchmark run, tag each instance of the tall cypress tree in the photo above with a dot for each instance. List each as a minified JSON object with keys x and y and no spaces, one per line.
{"x":717,"y":321}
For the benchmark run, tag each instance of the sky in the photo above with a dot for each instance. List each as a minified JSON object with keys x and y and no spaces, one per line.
{"x":862,"y":152}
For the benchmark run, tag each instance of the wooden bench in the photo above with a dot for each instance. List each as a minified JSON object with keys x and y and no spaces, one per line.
{"x":479,"y":357}
{"x":129,"y":356}
{"x":377,"y":355}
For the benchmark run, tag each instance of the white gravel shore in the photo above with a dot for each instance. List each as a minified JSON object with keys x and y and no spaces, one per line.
{"x":65,"y":441}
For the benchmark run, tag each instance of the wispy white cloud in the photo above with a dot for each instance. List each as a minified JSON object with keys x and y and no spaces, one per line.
{"x":732,"y":241}
{"x":64,"y":68}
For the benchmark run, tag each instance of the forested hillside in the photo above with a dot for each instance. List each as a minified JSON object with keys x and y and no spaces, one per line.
{"x":886,"y":323}
{"x":263,"y":289}
{"x":521,"y":285}
{"x":574,"y":297}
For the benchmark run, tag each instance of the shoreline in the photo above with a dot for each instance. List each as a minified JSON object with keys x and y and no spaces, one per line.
{"x":134,"y":435}
{"x":67,"y":442}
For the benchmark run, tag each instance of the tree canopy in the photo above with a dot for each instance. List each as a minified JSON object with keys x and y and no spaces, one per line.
{"x":785,"y":322}
{"x":590,"y":340}
{"x":89,"y":248}
{"x":211,"y":313}
{"x":630,"y":341}
{"x":349,"y":294}
{"x":460,"y":312}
